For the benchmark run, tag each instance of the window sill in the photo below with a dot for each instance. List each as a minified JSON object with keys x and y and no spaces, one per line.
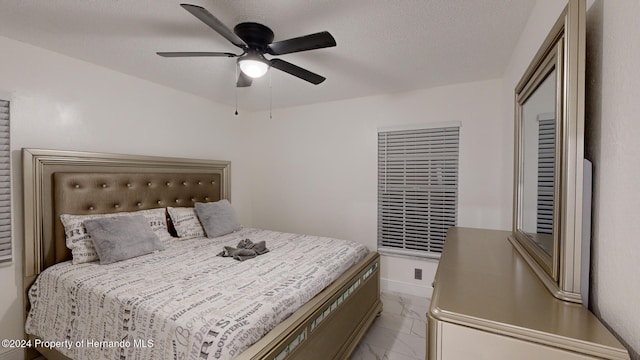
{"x":409,"y":254}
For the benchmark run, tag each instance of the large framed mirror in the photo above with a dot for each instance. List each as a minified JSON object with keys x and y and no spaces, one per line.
{"x":549,"y":152}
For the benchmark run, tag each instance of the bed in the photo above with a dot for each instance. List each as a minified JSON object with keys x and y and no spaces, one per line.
{"x":327,"y":326}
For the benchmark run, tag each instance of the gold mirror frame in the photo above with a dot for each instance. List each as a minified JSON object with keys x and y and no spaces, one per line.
{"x":564,"y":51}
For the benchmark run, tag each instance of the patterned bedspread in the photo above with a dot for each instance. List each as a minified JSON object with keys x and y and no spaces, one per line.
{"x":184,"y":302}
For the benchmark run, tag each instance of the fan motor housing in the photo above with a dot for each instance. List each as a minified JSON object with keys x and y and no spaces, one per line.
{"x":254,"y":34}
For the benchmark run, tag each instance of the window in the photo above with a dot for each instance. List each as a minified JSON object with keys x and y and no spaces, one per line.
{"x":5,"y":185}
{"x":417,"y":189}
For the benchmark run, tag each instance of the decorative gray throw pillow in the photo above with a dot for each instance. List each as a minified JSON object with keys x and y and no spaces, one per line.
{"x":217,"y":218}
{"x":122,"y":237}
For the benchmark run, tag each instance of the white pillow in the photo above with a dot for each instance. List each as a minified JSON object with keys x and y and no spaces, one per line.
{"x":186,"y":223}
{"x":80,"y":243}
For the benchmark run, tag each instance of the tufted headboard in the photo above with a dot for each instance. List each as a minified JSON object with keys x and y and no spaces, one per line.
{"x":103,"y":193}
{"x":69,"y":182}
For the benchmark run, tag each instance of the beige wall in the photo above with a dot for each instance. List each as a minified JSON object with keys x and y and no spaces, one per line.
{"x":61,"y":103}
{"x":613,"y":127}
{"x":316,"y":166}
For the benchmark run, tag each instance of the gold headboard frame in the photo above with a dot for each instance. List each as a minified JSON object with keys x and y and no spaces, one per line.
{"x":41,"y":166}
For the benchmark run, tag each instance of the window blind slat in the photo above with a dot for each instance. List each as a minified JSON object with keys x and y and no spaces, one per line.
{"x":546,"y":173}
{"x":5,"y":184}
{"x":417,"y":188}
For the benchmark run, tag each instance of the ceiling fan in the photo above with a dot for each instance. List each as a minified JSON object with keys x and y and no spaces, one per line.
{"x":256,"y":40}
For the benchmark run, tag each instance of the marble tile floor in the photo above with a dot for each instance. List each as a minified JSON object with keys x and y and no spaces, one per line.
{"x":399,"y":333}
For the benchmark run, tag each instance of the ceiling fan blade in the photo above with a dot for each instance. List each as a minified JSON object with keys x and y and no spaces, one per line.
{"x":243,"y":80}
{"x":195,"y":53}
{"x":297,"y":71}
{"x":213,"y":22}
{"x":309,"y":42}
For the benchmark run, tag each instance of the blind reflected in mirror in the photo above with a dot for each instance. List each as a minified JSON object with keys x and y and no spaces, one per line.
{"x":538,"y":177}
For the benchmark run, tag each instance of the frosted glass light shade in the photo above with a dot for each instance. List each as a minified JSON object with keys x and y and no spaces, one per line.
{"x":253,"y":68}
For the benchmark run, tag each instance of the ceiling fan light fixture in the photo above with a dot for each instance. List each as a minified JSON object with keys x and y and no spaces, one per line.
{"x":253,"y":67}
{"x":255,"y":40}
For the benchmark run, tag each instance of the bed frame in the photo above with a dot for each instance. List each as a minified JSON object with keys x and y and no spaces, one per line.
{"x":56,"y":182}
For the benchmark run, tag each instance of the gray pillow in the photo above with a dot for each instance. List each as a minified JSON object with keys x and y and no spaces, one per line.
{"x":217,"y":218}
{"x":122,"y":237}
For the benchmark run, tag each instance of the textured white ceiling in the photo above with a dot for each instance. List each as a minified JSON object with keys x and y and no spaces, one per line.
{"x":384,"y":46}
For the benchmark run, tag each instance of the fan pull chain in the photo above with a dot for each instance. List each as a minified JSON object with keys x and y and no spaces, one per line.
{"x":236,"y":89}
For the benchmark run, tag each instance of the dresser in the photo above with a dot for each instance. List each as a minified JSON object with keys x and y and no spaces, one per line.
{"x":488,"y":304}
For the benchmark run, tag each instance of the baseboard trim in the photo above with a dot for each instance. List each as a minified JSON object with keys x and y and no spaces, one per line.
{"x":388,"y":285}
{"x":12,"y":354}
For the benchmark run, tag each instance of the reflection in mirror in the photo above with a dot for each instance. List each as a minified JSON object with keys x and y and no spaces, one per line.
{"x":538,"y":177}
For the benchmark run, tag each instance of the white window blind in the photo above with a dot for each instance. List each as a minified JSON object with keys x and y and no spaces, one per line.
{"x":5,"y":184}
{"x":546,"y":170}
{"x":417,"y":189}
